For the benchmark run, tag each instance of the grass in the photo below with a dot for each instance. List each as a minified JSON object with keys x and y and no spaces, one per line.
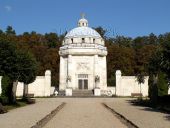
{"x":147,"y":103}
{"x":18,"y":104}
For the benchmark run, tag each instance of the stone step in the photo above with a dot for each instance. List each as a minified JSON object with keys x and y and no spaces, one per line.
{"x":83,"y":93}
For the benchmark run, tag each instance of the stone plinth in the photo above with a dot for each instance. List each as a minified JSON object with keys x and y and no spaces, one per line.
{"x":68,"y":92}
{"x":97,"y":92}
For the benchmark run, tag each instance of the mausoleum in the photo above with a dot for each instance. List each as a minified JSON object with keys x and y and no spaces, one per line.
{"x":83,"y":60}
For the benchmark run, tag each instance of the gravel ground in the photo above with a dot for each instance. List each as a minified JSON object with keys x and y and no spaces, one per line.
{"x":143,"y":117}
{"x":84,"y":113}
{"x":27,"y":116}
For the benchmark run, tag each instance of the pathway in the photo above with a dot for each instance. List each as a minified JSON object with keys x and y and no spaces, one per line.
{"x":143,"y":117}
{"x":84,"y":113}
{"x":27,"y":116}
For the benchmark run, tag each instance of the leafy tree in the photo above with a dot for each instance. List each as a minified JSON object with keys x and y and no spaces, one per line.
{"x":6,"y":90}
{"x":52,"y":39}
{"x":27,"y":70}
{"x":101,"y":31}
{"x":162,"y":84}
{"x":123,"y":41}
{"x":10,"y":31}
{"x":16,"y":65}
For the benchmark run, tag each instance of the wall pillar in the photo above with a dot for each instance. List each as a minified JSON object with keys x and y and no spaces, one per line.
{"x":96,"y":73}
{"x":62,"y":74}
{"x":118,"y":82}
{"x":47,"y":86}
{"x":68,"y":90}
{"x":69,"y":74}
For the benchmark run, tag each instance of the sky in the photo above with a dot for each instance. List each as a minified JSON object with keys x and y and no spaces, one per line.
{"x":119,"y":17}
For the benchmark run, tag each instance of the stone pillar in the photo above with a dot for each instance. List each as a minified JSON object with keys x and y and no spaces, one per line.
{"x":69,"y":83}
{"x":47,"y":86}
{"x":62,"y":74}
{"x":105,"y":73}
{"x":68,"y":91}
{"x":0,"y":85}
{"x":97,"y":92}
{"x":118,"y":82}
{"x":96,"y":73}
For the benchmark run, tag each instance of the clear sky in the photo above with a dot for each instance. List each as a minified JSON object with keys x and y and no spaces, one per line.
{"x":120,"y":17}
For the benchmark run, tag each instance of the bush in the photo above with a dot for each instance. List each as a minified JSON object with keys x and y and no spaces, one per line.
{"x":153,"y":91}
{"x":2,"y":110}
{"x":162,"y":84}
{"x":6,"y":90}
{"x":4,"y":100}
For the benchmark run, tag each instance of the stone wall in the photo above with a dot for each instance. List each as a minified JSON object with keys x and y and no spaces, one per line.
{"x":126,"y":85}
{"x":40,"y":87}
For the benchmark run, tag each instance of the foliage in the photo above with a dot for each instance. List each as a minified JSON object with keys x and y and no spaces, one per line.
{"x":162,"y":84}
{"x":131,"y":55}
{"x":6,"y":90}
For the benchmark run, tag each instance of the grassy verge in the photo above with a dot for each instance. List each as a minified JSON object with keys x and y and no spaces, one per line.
{"x":19,"y":103}
{"x":147,"y":103}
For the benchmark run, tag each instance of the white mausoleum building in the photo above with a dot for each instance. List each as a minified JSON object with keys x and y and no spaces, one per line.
{"x":83,"y":60}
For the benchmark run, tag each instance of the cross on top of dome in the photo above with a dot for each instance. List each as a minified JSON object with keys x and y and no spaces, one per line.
{"x":82,"y":22}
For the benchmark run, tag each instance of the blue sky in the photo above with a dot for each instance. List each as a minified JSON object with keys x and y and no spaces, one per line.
{"x":120,"y":17}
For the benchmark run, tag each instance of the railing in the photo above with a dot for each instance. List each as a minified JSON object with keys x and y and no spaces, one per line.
{"x":83,"y":45}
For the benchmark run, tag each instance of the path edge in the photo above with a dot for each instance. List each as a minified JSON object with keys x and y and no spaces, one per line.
{"x":122,"y":118}
{"x":41,"y":123}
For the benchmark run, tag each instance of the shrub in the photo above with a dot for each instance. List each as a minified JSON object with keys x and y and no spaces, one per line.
{"x":6,"y":90}
{"x":2,"y":110}
{"x":4,"y":100}
{"x":162,"y":84}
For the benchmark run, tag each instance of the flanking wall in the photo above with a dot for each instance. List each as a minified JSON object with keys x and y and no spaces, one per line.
{"x":126,"y":85}
{"x":40,"y":87}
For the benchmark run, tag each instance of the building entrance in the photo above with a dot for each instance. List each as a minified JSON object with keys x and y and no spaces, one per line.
{"x":83,"y":81}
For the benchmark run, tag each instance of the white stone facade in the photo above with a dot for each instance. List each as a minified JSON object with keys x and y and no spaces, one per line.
{"x":40,"y":87}
{"x":126,"y":85}
{"x":82,"y":59}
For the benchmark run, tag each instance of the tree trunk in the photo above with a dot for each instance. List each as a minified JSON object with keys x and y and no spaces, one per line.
{"x":14,"y":88}
{"x":25,"y":91}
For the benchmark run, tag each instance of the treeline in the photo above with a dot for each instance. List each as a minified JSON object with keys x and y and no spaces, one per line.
{"x":130,"y":55}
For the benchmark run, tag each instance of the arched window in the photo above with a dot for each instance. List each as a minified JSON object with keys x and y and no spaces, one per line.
{"x":83,"y":40}
{"x":93,"y":40}
{"x":71,"y":40}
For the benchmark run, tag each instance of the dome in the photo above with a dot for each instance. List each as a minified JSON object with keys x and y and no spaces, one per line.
{"x":83,"y":32}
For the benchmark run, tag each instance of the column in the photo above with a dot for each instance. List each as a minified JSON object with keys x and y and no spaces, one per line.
{"x":68,"y":91}
{"x":69,"y":74}
{"x":95,"y":68}
{"x":62,"y":74}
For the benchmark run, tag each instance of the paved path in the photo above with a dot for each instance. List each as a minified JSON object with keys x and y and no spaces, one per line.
{"x":143,"y":117}
{"x":84,"y":113}
{"x":27,"y":116}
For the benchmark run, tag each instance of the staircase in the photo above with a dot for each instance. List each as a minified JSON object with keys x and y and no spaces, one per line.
{"x":83,"y":93}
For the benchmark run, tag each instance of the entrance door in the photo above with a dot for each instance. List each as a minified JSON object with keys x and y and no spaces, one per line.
{"x":82,"y":81}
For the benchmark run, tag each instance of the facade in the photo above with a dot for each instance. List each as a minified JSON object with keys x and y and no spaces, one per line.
{"x":82,"y":60}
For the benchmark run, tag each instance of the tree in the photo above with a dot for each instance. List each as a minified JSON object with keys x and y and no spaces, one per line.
{"x":141,"y":80}
{"x":101,"y":31}
{"x":123,"y":41}
{"x":162,"y":84}
{"x":16,"y":65}
{"x":10,"y":31}
{"x":27,"y":70}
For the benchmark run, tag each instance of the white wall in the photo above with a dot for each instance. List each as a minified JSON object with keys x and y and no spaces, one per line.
{"x":125,"y":85}
{"x":40,"y":87}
